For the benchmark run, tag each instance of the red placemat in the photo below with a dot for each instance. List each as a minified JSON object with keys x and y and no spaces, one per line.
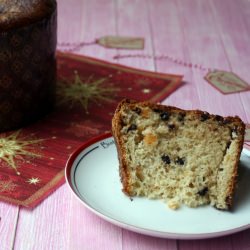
{"x":32,"y":159}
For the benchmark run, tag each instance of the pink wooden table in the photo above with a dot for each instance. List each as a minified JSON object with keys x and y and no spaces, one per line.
{"x":211,"y":33}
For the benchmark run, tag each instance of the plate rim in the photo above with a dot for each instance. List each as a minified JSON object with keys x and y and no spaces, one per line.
{"x":127,"y":226}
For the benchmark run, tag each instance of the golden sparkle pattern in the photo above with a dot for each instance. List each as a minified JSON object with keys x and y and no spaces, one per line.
{"x":83,"y":91}
{"x":146,"y":91}
{"x":7,"y":186}
{"x":33,"y":180}
{"x":14,"y":147}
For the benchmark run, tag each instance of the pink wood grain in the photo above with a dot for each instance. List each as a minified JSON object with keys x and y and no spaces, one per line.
{"x":205,"y":47}
{"x":241,"y":240}
{"x":212,"y":33}
{"x":134,"y":241}
{"x":87,"y":231}
{"x":200,"y":43}
{"x":96,"y":24}
{"x":47,"y":225}
{"x":9,"y":219}
{"x":133,"y":20}
{"x":169,"y":39}
{"x":236,"y":41}
{"x":73,"y":226}
{"x":70,"y":23}
{"x":90,"y":25}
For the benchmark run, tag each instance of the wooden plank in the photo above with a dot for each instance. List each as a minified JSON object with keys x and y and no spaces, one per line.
{"x":233,"y":24}
{"x":47,"y":225}
{"x":8,"y":223}
{"x":89,"y":20}
{"x":201,"y":45}
{"x":88,"y":231}
{"x":169,"y":40}
{"x":190,"y":28}
{"x":136,"y":241}
{"x":234,"y":19}
{"x":241,"y":240}
{"x":205,"y":48}
{"x":245,"y":10}
{"x":97,"y":20}
{"x":133,"y":20}
{"x":60,"y":221}
{"x":69,"y":19}
{"x":244,"y":6}
{"x":186,"y":30}
{"x":222,"y":243}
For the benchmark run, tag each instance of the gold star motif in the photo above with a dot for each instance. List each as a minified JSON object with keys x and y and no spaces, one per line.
{"x":33,"y":180}
{"x":13,"y":147}
{"x":84,"y":91}
{"x":146,"y":91}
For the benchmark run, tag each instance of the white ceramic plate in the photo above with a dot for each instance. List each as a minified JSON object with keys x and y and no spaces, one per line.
{"x":92,"y":174}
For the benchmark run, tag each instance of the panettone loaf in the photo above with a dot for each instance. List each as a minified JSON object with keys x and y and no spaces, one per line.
{"x":181,"y":156}
{"x":17,"y":13}
{"x":28,"y":35}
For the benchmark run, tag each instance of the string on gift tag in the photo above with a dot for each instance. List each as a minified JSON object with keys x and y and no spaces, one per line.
{"x":223,"y":81}
{"x":122,"y":42}
{"x":73,"y":47}
{"x":168,"y":58}
{"x":114,"y":42}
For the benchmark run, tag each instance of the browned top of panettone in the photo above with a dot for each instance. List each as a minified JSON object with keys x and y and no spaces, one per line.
{"x":18,"y":13}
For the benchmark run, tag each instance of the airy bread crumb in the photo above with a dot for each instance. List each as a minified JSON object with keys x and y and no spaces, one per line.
{"x":183,"y":157}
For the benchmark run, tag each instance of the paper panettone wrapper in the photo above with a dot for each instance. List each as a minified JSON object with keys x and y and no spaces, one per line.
{"x":27,"y":71}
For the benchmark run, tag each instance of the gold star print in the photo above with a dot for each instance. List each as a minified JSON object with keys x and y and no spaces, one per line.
{"x":84,"y":91}
{"x":7,"y":186}
{"x":33,"y":180}
{"x":146,"y":91}
{"x":13,"y":147}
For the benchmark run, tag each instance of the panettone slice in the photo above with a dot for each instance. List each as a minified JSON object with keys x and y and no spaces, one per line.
{"x":186,"y":157}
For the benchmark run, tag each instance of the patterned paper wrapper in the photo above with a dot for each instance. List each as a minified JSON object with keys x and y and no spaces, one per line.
{"x":27,"y":71}
{"x":33,"y":158}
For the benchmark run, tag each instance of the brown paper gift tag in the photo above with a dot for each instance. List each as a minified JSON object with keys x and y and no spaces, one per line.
{"x":226,"y":82}
{"x":121,"y":42}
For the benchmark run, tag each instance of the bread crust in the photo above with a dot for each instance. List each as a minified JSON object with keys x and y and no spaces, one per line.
{"x":20,"y":13}
{"x":233,"y":182}
{"x":131,"y":104}
{"x":116,"y":128}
